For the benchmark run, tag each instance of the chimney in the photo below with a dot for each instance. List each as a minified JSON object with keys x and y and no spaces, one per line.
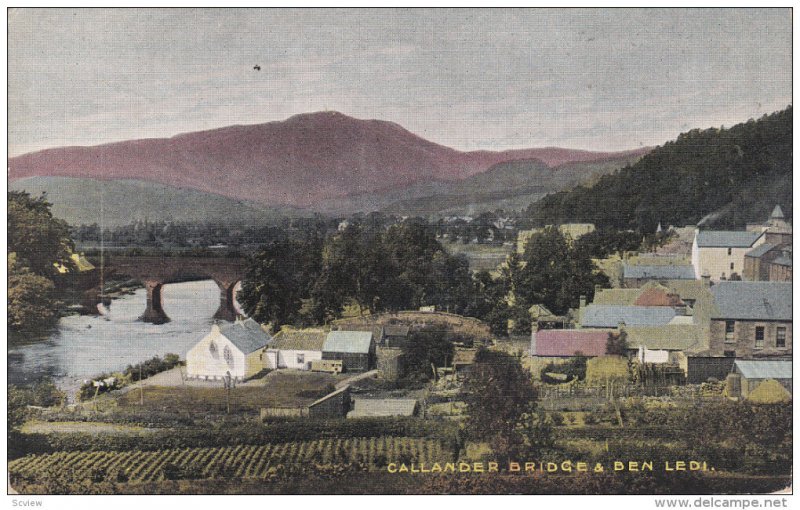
{"x":583,"y":301}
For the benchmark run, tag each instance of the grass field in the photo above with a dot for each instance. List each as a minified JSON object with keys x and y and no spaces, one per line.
{"x":277,"y":389}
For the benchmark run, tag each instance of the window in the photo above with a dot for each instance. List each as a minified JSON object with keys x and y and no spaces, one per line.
{"x":228,"y":355}
{"x":729,"y":252}
{"x":759,"y":337}
{"x":301,"y":359}
{"x":730,"y":354}
{"x":731,"y":266}
{"x":212,"y":348}
{"x":730,"y":328}
{"x":780,"y":337}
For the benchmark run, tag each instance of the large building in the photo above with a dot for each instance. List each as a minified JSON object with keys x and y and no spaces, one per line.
{"x":230,"y":350}
{"x":751,"y":319}
{"x":720,"y":254}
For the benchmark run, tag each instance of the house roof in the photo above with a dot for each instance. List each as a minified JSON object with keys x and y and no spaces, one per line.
{"x":764,"y":369}
{"x":669,"y":338}
{"x":355,"y":342}
{"x":777,"y":213}
{"x":616,"y":296}
{"x":753,"y":300}
{"x":657,"y":297}
{"x":369,"y":407}
{"x":609,"y":316}
{"x":396,"y":330}
{"x":726,"y":238}
{"x":665,"y":272}
{"x":783,"y":261}
{"x":247,"y":335}
{"x":299,"y":340}
{"x":759,"y":250}
{"x":566,"y":342}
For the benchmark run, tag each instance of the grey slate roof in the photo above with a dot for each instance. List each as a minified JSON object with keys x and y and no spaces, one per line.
{"x":247,"y":335}
{"x":764,"y":369}
{"x":665,"y":272}
{"x":609,"y":316}
{"x":777,"y":213}
{"x":364,"y":407}
{"x":753,"y":301}
{"x":760,"y":250}
{"x":352,"y":342}
{"x":783,"y":261}
{"x":727,"y":238}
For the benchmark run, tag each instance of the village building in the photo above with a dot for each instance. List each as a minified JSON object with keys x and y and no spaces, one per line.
{"x":333,"y":405}
{"x":356,"y":349}
{"x":750,"y":374}
{"x":751,"y":319}
{"x":720,"y":254}
{"x":759,"y":262}
{"x":233,"y":350}
{"x":566,"y":343}
{"x":382,"y":407}
{"x":394,"y":335}
{"x":295,"y":348}
{"x":780,"y":269}
{"x":612,"y":316}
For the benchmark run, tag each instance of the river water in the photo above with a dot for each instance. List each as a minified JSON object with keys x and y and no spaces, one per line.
{"x":84,"y":346}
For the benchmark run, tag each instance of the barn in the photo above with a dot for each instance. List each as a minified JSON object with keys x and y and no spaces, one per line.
{"x":752,"y":372}
{"x":356,"y":349}
{"x":233,"y":349}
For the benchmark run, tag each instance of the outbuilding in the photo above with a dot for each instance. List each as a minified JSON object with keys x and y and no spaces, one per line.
{"x":356,"y":349}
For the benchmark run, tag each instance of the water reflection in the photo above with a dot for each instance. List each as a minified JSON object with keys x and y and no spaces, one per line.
{"x":84,"y":346}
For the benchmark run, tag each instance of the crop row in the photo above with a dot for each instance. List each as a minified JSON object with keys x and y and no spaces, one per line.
{"x":242,"y":461}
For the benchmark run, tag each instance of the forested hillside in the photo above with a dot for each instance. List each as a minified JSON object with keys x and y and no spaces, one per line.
{"x":715,"y":177}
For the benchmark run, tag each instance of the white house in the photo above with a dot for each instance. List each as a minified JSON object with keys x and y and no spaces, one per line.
{"x":719,"y":254}
{"x":295,"y":348}
{"x":235,"y":348}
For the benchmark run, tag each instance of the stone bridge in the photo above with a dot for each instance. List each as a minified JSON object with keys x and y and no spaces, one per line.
{"x":155,"y":272}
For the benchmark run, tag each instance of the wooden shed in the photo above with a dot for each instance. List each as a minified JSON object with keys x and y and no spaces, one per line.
{"x":356,"y":349}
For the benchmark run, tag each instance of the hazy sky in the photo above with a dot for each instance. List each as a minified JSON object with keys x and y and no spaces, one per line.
{"x":470,"y":79}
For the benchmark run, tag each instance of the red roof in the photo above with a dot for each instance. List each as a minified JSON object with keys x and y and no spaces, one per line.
{"x":566,"y":342}
{"x":657,"y":297}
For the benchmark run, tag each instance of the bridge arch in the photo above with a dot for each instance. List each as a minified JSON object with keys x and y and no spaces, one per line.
{"x":155,"y":272}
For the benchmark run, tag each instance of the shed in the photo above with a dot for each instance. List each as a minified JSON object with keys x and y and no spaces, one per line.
{"x":382,"y":407}
{"x":332,"y":405}
{"x":702,"y":368}
{"x":394,"y":335}
{"x":755,"y":371}
{"x":355,"y":348}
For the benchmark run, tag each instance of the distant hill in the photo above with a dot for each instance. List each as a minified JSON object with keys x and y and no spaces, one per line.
{"x":78,"y":202}
{"x":715,"y":177}
{"x":301,"y":161}
{"x":510,"y":185}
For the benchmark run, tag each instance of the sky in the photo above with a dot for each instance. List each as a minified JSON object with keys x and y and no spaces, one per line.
{"x":595,"y":79}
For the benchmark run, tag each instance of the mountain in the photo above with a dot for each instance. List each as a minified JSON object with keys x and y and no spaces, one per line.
{"x":77,"y":201}
{"x":510,"y":185}
{"x":721,"y":178}
{"x":301,"y":161}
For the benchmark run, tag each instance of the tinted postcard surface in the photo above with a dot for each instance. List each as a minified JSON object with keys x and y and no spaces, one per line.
{"x":408,"y":251}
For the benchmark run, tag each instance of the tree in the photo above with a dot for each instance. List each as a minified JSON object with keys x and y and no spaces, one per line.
{"x":555,"y":274}
{"x":32,"y":304}
{"x":38,"y":239}
{"x":279,"y":277}
{"x":617,"y":345}
{"x":501,"y":406}
{"x":424,"y":348}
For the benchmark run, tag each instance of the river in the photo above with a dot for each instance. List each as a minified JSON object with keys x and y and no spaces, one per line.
{"x":84,"y":346}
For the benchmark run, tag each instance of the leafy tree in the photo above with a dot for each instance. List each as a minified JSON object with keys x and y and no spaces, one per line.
{"x":501,"y":406}
{"x":555,"y":274}
{"x":617,"y":344}
{"x":32,"y":304}
{"x":424,"y":348}
{"x":38,"y":239}
{"x":279,"y":277}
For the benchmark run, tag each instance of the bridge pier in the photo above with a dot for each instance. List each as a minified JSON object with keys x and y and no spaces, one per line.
{"x":154,"y":313}
{"x":226,"y":310}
